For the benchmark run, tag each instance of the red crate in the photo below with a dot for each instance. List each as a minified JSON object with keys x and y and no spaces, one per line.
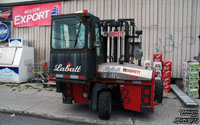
{"x":166,"y":79}
{"x":168,"y":90}
{"x":166,"y":86}
{"x":157,"y":57}
{"x":167,"y":65}
{"x":166,"y":74}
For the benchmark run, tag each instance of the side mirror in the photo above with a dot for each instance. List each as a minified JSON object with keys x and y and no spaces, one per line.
{"x":97,"y":44}
{"x":138,"y":32}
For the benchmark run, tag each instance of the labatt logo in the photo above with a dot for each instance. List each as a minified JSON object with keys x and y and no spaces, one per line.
{"x":67,"y":68}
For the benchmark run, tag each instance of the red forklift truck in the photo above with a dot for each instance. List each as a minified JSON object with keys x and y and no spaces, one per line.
{"x":92,"y":62}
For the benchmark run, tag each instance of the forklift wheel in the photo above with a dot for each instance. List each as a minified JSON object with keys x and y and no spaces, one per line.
{"x":44,"y":85}
{"x":104,"y":105}
{"x":158,"y":90}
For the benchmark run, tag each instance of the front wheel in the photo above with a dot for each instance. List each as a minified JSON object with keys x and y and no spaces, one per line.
{"x":104,"y":105}
{"x":158,"y":91}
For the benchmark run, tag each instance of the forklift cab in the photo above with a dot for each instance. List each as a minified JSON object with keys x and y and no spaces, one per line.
{"x":72,"y":52}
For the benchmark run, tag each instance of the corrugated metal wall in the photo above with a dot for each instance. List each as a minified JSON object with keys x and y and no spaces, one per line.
{"x":170,"y":27}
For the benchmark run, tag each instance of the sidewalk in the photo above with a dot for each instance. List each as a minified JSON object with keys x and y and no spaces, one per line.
{"x":46,"y":103}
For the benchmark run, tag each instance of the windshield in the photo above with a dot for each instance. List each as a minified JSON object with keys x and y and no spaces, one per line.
{"x":68,"y":33}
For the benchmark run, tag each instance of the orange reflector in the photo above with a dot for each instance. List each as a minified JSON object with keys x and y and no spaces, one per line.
{"x":85,"y":11}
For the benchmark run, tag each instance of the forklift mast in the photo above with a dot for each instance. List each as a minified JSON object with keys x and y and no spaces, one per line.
{"x":116,"y":35}
{"x":118,"y":39}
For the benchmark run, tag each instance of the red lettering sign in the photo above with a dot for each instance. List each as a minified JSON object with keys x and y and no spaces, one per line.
{"x":115,"y":34}
{"x":132,"y":77}
{"x":35,"y":15}
{"x":131,"y":71}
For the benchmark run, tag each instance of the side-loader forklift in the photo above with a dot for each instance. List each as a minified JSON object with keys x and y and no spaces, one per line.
{"x":93,"y":61}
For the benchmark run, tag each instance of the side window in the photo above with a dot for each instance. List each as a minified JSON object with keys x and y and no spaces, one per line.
{"x":68,"y":33}
{"x":97,"y":38}
{"x":89,"y":37}
{"x":81,"y":37}
{"x":66,"y":36}
{"x":97,"y":33}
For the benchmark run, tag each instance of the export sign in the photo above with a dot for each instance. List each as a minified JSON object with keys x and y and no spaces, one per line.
{"x":4,"y":31}
{"x":35,"y":15}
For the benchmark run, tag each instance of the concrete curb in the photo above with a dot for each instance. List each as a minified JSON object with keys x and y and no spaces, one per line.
{"x":63,"y":118}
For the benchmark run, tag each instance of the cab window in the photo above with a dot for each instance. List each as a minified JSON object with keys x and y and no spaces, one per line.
{"x":68,"y":33}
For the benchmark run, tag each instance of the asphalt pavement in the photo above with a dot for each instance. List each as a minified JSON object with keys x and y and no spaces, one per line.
{"x":34,"y":101}
{"x":16,"y":119}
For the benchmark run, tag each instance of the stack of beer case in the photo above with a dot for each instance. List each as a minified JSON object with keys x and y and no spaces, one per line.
{"x":163,"y":70}
{"x":184,"y":76}
{"x":157,"y":64}
{"x":166,"y":75}
{"x":191,"y":78}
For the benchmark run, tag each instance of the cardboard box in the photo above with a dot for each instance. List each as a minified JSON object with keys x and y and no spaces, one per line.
{"x":157,"y":65}
{"x":167,"y":65}
{"x":184,"y":84}
{"x":193,"y":67}
{"x":192,"y":75}
{"x":184,"y":74}
{"x":192,"y":87}
{"x":157,"y":57}
{"x":158,"y":73}
{"x":185,"y":89}
{"x":185,"y":65}
{"x":147,"y":63}
{"x":192,"y":84}
{"x":194,"y":93}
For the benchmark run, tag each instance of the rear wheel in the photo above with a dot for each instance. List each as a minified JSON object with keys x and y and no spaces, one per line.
{"x":104,"y":105}
{"x":158,"y":91}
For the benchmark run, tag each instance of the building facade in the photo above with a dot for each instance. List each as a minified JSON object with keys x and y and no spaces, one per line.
{"x":170,"y":27}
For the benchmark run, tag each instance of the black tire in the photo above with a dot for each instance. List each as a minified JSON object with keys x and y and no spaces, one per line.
{"x":158,"y":91}
{"x":44,"y":85}
{"x":104,"y":105}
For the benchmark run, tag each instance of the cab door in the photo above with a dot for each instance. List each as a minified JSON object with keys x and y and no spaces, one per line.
{"x":70,"y":54}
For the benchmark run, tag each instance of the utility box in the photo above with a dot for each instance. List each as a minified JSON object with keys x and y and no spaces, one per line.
{"x":16,"y":64}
